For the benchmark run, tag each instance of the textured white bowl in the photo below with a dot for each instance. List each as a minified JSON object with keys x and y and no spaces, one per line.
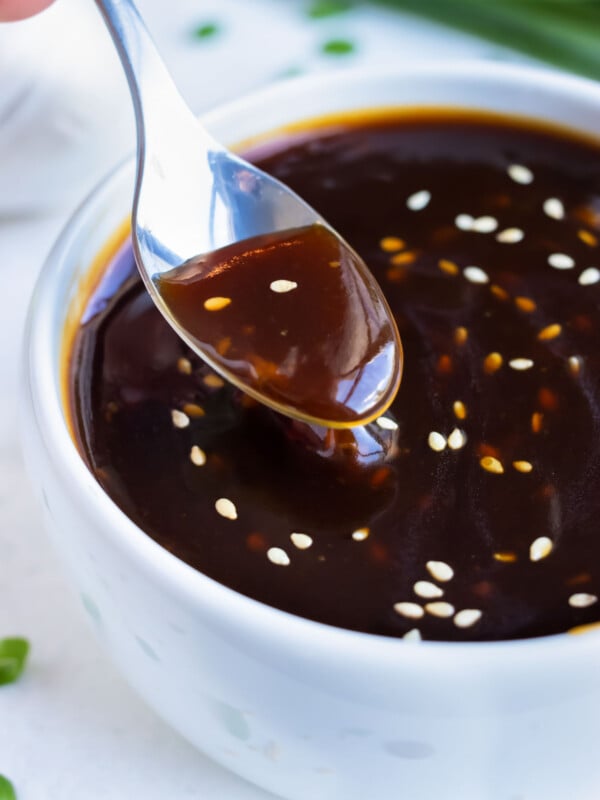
{"x":309,"y":711}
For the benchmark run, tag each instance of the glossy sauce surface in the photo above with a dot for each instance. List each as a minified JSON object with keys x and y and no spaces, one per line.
{"x":295,"y":316}
{"x":470,"y":509}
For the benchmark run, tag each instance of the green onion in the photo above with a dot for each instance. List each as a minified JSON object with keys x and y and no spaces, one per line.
{"x":565,"y":33}
{"x":337,"y":47}
{"x":327,"y":8}
{"x":13,"y":654}
{"x":7,"y":791}
{"x":206,"y":31}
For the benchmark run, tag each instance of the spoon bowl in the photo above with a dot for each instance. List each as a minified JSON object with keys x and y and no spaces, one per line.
{"x":194,"y":201}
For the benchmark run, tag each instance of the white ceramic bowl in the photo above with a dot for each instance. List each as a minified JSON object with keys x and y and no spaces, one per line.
{"x":309,"y":711}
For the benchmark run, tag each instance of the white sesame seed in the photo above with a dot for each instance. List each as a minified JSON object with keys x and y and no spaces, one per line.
{"x":464,"y":222}
{"x":427,"y":590}
{"x":419,"y":200}
{"x":360,"y":534}
{"x":226,"y":508}
{"x":413,"y":635}
{"x":510,"y":236}
{"x":475,"y":275}
{"x":301,"y":540}
{"x":197,"y":456}
{"x":409,"y":610}
{"x":561,"y":261}
{"x":387,"y":424}
{"x":180,"y":420}
{"x":582,"y":600}
{"x":457,"y":439}
{"x":554,"y":208}
{"x":278,"y":556}
{"x":484,"y":224}
{"x":520,"y":364}
{"x":520,"y":174}
{"x":281,"y":286}
{"x":436,"y":441}
{"x":540,"y":548}
{"x":440,"y":609}
{"x":440,"y":571}
{"x":467,"y":617}
{"x":589,"y":276}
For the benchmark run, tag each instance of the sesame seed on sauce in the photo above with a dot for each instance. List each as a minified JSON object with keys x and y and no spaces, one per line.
{"x":574,"y":365}
{"x":464,"y":222}
{"x":522,"y":466}
{"x":510,"y":236}
{"x":439,"y":608}
{"x":491,"y":464}
{"x":360,"y":534}
{"x":554,"y":208}
{"x":499,"y":292}
{"x":213,"y":381}
{"x":457,"y":439}
{"x":461,"y":334}
{"x":485,"y":224}
{"x":561,"y":261}
{"x":537,"y":421}
{"x":402,"y":259}
{"x":587,"y":238}
{"x":419,"y":200}
{"x":413,"y":635}
{"x":387,"y":424}
{"x":282,"y":286}
{"x":179,"y":419}
{"x":440,"y":571}
{"x":409,"y":610}
{"x":582,"y":600}
{"x":589,"y":276}
{"x":540,"y":548}
{"x":525,"y":304}
{"x":194,"y":410}
{"x":278,"y":556}
{"x":520,"y":364}
{"x":216,"y":303}
{"x":184,"y":365}
{"x":226,"y":508}
{"x":505,"y":557}
{"x":449,"y":267}
{"x":390,"y":244}
{"x":427,"y":590}
{"x":301,"y":540}
{"x":492,"y":363}
{"x":520,"y":174}
{"x":436,"y":441}
{"x":467,"y":617}
{"x":459,"y":409}
{"x":550,"y":332}
{"x":197,"y":456}
{"x":476,"y":275}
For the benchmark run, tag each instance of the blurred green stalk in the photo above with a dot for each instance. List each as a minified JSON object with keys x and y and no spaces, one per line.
{"x":565,"y":33}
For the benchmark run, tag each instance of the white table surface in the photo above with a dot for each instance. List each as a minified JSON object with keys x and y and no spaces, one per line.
{"x":71,"y":728}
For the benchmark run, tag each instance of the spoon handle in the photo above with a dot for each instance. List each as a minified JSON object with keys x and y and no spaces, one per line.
{"x":156,"y":99}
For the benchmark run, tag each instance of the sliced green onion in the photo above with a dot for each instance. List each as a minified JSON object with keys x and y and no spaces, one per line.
{"x":7,"y":791}
{"x":13,"y":654}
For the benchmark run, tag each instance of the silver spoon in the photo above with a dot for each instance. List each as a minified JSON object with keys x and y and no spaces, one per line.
{"x":193,"y":197}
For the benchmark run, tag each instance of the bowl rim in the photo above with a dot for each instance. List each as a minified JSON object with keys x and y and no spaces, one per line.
{"x":174,"y":575}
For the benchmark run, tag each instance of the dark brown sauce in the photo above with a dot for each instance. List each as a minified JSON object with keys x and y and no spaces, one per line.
{"x":470,"y":510}
{"x":295,"y":316}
